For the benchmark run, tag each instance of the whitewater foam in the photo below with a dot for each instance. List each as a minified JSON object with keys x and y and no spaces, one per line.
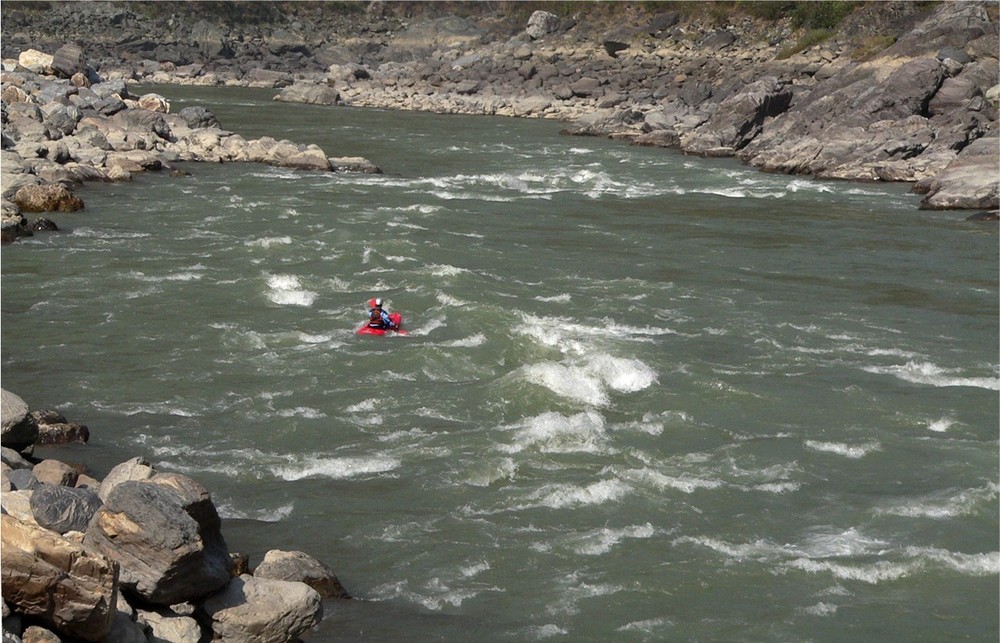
{"x":933,"y":375}
{"x":287,"y":290}
{"x":337,"y":468}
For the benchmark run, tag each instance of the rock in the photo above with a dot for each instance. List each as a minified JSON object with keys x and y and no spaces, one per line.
{"x":970,"y":181}
{"x":66,"y":587}
{"x":309,"y":93}
{"x":52,"y":425}
{"x":64,"y":509}
{"x":13,"y":459}
{"x":18,"y":430}
{"x":165,"y":625}
{"x":197,"y":117}
{"x":17,"y":503}
{"x":738,"y":119}
{"x":541,"y":23}
{"x":311,"y":158}
{"x":69,"y":60}
{"x":47,"y":198}
{"x":984,"y":216}
{"x":55,"y":472}
{"x":165,"y":533}
{"x":267,"y":78}
{"x":353,"y":164}
{"x":300,"y":567}
{"x":23,"y":479}
{"x":154,"y":103}
{"x":257,"y":610}
{"x":45,"y":225}
{"x":36,"y":61}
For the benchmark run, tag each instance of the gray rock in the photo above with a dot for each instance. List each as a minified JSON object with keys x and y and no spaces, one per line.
{"x":19,"y":430}
{"x":23,"y":480}
{"x":64,"y":509}
{"x":541,"y":23}
{"x":166,"y":535}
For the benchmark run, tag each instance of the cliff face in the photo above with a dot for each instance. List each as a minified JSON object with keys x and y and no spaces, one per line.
{"x":899,"y":91}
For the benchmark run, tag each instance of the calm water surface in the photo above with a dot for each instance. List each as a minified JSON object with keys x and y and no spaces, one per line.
{"x":644,"y":396}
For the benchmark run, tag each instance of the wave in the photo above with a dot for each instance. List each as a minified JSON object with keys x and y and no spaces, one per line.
{"x":933,"y":375}
{"x":944,"y":504}
{"x":337,"y":468}
{"x":555,"y":433}
{"x":853,"y":451}
{"x":287,"y":290}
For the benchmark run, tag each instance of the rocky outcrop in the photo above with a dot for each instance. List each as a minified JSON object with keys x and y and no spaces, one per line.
{"x":73,"y":559}
{"x":59,"y":132}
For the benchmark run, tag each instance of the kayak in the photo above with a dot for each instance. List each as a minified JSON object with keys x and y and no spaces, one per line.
{"x":396,"y":318}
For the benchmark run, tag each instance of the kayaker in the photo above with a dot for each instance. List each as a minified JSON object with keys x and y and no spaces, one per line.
{"x":378,"y":318}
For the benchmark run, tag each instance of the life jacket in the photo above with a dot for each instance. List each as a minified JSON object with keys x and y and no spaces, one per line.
{"x":375,"y":318}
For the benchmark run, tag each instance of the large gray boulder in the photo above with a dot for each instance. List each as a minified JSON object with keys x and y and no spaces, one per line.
{"x":297,"y":566}
{"x":259,"y":610}
{"x":68,"y":588}
{"x":166,"y":535}
{"x":19,"y":431}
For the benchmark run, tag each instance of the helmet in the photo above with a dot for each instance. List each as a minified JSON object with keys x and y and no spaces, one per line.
{"x":378,"y":302}
{"x":371,"y":303}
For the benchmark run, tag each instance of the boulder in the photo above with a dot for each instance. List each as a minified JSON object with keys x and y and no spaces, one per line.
{"x":68,"y":61}
{"x":36,"y":61}
{"x":23,"y":479}
{"x":258,"y":610}
{"x":541,"y":23}
{"x":353,"y":164}
{"x":198,"y":117}
{"x":310,"y":93}
{"x":154,"y":103}
{"x":64,"y":509}
{"x":47,"y":198}
{"x":54,"y":472}
{"x":164,"y":625}
{"x":300,"y":567}
{"x":166,"y":534}
{"x":18,"y":430}
{"x":970,"y":181}
{"x":66,"y":587}
{"x":136,"y":468}
{"x":17,"y":503}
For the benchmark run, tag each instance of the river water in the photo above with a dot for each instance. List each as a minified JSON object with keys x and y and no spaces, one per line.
{"x":643,"y":396}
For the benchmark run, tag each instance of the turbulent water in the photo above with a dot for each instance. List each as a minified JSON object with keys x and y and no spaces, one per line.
{"x":643,"y":396}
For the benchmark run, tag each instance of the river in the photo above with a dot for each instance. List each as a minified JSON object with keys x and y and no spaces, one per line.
{"x":643,"y":396}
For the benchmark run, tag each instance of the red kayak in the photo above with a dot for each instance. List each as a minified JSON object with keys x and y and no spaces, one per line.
{"x":396,"y":319}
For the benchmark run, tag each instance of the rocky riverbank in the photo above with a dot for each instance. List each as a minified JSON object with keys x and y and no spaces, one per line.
{"x":898,"y":91}
{"x":137,"y":557}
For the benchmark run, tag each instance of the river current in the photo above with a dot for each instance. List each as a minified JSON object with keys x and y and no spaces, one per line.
{"x":643,"y":396}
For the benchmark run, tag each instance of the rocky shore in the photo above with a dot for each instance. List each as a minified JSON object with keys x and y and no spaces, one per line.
{"x":137,"y":557}
{"x":897,"y":91}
